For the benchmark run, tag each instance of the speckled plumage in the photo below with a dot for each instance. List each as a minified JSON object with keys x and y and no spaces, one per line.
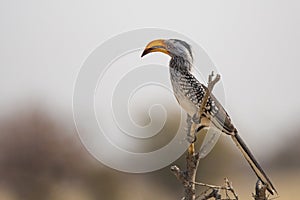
{"x":189,"y":93}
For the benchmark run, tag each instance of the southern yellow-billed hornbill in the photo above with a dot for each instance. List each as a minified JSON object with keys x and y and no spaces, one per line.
{"x":189,"y":93}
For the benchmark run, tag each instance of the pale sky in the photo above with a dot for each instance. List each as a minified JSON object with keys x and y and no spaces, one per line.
{"x":254,"y":45}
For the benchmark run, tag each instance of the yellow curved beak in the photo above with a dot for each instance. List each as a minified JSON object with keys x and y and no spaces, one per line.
{"x":156,"y":46}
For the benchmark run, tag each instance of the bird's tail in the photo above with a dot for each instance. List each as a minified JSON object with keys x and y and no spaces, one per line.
{"x":253,"y":163}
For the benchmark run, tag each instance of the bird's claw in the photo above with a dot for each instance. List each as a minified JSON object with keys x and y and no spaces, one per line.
{"x":196,"y":119}
{"x":191,"y":139}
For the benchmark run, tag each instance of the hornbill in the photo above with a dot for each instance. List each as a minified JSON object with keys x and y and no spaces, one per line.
{"x":189,"y":93}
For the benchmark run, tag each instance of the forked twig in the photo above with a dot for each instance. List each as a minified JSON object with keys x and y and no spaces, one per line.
{"x":215,"y":190}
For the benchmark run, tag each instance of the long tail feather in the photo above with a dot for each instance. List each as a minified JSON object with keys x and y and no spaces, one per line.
{"x":253,"y":162}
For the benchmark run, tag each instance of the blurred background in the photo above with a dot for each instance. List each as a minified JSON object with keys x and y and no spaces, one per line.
{"x":255,"y":46}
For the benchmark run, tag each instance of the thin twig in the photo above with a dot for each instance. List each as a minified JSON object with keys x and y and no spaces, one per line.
{"x":208,"y":90}
{"x":229,"y":185}
{"x":211,"y":186}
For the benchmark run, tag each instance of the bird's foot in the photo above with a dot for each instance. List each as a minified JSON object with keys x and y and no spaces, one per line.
{"x":196,"y":118}
{"x":191,"y":139}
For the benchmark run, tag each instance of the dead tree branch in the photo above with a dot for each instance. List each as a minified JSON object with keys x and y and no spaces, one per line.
{"x":215,"y":191}
{"x":188,"y":176}
{"x":211,"y":84}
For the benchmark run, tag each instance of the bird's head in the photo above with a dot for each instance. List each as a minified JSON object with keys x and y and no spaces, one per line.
{"x":171,"y":47}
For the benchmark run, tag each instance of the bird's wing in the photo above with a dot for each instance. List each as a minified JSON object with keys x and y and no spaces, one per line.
{"x":214,"y":110}
{"x":221,"y":116}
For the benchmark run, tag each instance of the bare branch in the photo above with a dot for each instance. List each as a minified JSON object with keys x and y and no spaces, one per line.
{"x":230,"y":188}
{"x":210,"y":86}
{"x":216,"y":189}
{"x":179,"y":174}
{"x":211,"y":186}
{"x":188,"y":176}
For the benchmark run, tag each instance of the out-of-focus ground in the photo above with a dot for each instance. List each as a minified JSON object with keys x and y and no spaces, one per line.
{"x":41,"y":157}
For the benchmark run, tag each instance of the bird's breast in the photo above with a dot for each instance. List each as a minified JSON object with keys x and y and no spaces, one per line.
{"x":182,"y":98}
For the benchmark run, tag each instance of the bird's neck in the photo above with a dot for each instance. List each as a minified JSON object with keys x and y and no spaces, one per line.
{"x":180,"y":64}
